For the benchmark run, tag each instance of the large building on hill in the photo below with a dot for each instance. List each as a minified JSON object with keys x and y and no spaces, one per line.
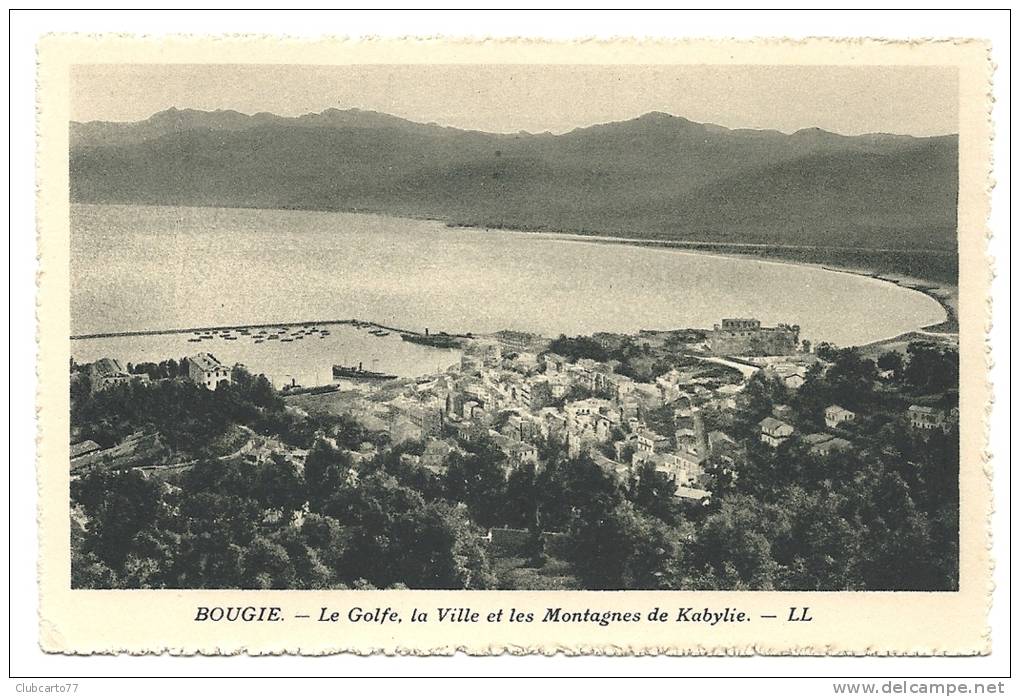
{"x":108,"y":371}
{"x":206,"y":370}
{"x":520,"y":342}
{"x":746,"y":337}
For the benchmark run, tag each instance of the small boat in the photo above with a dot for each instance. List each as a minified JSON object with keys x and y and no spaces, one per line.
{"x":287,"y":339}
{"x":195,"y":339}
{"x":259,"y":341}
{"x":272,"y":337}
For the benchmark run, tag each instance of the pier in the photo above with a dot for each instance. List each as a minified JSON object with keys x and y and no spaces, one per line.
{"x":239,"y":327}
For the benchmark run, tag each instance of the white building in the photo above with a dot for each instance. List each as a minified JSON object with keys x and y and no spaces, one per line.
{"x":836,"y":415}
{"x":774,"y":432}
{"x":206,"y":370}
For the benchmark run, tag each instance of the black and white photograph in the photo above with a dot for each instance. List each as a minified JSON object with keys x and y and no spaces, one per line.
{"x":538,"y":327}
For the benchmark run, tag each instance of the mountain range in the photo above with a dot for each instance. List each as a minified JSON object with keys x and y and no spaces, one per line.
{"x":656,"y":176}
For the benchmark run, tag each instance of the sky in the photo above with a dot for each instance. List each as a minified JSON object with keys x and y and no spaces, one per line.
{"x":851,"y":100}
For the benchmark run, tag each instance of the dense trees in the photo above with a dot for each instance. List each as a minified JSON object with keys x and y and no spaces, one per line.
{"x":931,"y":368}
{"x":578,"y":347}
{"x":632,"y":359}
{"x":884,"y":516}
{"x":240,"y":525}
{"x":477,"y":478}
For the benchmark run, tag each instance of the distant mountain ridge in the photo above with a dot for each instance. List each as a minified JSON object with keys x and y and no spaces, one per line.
{"x":656,"y":176}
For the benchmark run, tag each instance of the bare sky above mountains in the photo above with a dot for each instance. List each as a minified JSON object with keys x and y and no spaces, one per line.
{"x":917,"y":101}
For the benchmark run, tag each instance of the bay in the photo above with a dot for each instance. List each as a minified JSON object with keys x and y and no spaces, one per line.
{"x":137,"y":268}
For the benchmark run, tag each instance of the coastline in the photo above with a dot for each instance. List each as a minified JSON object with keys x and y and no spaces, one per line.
{"x":944,"y":293}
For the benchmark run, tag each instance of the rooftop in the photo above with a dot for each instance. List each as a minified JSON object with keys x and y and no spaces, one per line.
{"x":769,"y":423}
{"x":205,"y":361}
{"x":83,"y":448}
{"x":107,"y":366}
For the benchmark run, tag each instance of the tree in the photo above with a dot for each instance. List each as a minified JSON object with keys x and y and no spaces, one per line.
{"x":280,"y":486}
{"x":326,"y":537}
{"x":735,"y":543}
{"x":326,"y":471}
{"x":520,"y":509}
{"x":851,"y":379}
{"x":81,"y":388}
{"x":568,"y":487}
{"x":658,"y":554}
{"x":652,"y":492}
{"x":578,"y":347}
{"x":624,"y":549}
{"x":931,"y":368}
{"x":437,"y":546}
{"x":267,"y":565}
{"x":119,"y":506}
{"x":308,"y":570}
{"x":823,"y":550}
{"x":825,"y":351}
{"x":477,"y":480}
{"x":891,"y":360}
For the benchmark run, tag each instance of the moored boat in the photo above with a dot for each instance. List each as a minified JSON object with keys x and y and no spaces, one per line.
{"x":434,"y":340}
{"x":359,"y":373}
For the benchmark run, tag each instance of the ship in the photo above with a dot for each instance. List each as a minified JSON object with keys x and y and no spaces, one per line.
{"x":434,"y":340}
{"x":359,"y":373}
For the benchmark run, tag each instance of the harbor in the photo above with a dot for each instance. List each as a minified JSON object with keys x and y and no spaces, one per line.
{"x":291,"y":354}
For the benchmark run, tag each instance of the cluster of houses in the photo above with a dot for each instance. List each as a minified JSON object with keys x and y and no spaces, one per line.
{"x":202,"y":369}
{"x":107,"y":372}
{"x":775,"y":430}
{"x":508,"y":387}
{"x":521,"y":399}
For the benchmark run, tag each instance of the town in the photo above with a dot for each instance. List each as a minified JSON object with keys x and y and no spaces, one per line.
{"x":699,"y":418}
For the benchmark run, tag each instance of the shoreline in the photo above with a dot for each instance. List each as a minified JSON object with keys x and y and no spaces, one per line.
{"x":734,"y":249}
{"x":945,"y":294}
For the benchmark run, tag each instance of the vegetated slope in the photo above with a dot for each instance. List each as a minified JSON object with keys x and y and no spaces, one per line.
{"x":656,"y":176}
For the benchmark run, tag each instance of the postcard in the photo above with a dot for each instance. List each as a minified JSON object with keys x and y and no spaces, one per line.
{"x":423,"y":346}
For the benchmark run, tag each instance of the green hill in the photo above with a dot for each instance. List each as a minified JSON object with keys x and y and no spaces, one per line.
{"x":656,"y":176}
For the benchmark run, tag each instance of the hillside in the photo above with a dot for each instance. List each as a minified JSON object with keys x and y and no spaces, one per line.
{"x":656,"y":176}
